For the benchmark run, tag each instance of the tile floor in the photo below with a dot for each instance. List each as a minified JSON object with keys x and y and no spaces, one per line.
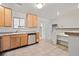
{"x":43,"y":48}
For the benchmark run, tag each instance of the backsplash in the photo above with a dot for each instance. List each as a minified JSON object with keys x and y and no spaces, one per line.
{"x":8,"y":29}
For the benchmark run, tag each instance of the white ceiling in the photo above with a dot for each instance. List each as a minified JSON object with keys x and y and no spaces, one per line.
{"x":49,"y":11}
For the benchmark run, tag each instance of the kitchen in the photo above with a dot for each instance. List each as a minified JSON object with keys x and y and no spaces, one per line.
{"x":30,"y":25}
{"x":10,"y":38}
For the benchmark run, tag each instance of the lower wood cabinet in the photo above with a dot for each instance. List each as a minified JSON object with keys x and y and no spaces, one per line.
{"x":24,"y":40}
{"x":5,"y":42}
{"x":37,"y":37}
{"x":15,"y":41}
{"x":18,"y":40}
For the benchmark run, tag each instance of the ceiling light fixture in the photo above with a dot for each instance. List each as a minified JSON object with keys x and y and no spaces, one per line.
{"x":0,"y":3}
{"x":58,"y":13}
{"x":77,"y":5}
{"x":39,"y":5}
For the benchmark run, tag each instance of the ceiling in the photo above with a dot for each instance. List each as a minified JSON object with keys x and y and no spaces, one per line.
{"x":49,"y":10}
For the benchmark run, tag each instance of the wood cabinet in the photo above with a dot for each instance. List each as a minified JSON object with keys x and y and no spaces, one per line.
{"x":24,"y":40}
{"x":8,"y":17}
{"x":15,"y":41}
{"x":32,"y":20}
{"x":1,"y":16}
{"x":5,"y":17}
{"x":37,"y":37}
{"x":0,"y":44}
{"x":5,"y":42}
{"x":29,"y":20}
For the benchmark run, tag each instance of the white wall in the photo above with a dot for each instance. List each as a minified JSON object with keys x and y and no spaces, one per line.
{"x":69,"y":21}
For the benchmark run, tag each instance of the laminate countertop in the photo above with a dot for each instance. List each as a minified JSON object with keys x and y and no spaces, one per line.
{"x":76,"y":33}
{"x":2,"y":34}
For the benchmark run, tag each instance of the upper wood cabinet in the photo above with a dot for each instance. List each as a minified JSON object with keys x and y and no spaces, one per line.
{"x":5,"y":17}
{"x":1,"y":16}
{"x":34,"y":21}
{"x":8,"y":17}
{"x":31,"y":20}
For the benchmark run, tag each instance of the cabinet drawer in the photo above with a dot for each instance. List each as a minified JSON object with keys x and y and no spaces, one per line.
{"x":23,"y":35}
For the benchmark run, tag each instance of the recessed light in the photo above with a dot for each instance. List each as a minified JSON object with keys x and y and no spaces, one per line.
{"x":39,"y":5}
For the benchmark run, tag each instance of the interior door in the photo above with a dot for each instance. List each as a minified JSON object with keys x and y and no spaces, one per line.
{"x":54,"y":33}
{"x":42,"y":30}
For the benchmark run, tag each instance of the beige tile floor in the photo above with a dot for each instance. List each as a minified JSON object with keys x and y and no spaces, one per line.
{"x":44,"y":48}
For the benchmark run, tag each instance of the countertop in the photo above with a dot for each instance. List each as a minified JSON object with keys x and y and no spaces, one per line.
{"x":74,"y":33}
{"x":2,"y":34}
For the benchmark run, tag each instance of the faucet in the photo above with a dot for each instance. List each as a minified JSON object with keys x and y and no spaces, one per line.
{"x":16,"y":31}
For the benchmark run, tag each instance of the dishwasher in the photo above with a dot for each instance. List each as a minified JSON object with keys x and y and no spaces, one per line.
{"x":31,"y":38}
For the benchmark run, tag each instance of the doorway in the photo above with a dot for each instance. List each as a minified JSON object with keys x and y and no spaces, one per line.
{"x":42,"y":31}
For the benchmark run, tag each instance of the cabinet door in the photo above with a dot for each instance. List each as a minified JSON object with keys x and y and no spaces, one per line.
{"x":29,"y":20}
{"x":5,"y":42}
{"x":24,"y":40}
{"x":1,"y":16}
{"x":34,"y":21}
{"x":37,"y":37}
{"x":0,"y":44}
{"x":15,"y":41}
{"x":8,"y":17}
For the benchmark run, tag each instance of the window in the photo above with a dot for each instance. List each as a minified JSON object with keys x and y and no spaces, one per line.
{"x":18,"y":23}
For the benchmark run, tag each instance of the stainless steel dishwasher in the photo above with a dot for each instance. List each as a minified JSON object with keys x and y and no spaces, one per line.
{"x":31,"y":38}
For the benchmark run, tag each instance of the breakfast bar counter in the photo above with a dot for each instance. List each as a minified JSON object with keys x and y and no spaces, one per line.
{"x":73,"y":38}
{"x":72,"y":33}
